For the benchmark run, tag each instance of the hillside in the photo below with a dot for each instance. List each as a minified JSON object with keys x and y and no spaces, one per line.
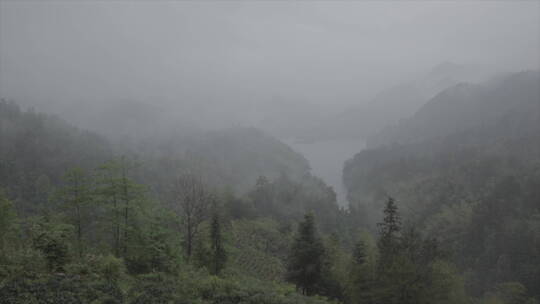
{"x":463,"y":106}
{"x":465,"y":168}
{"x":37,"y":149}
{"x":397,"y":102}
{"x":86,"y":220}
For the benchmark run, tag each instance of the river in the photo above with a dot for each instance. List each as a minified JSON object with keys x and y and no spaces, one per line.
{"x":327,"y":158}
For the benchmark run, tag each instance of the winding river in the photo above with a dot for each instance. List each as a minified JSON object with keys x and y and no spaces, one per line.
{"x":327,"y":158}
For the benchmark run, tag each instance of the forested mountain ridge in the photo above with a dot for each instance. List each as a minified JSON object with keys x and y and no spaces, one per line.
{"x":466,"y":169}
{"x":36,"y":149}
{"x":234,"y":216}
{"x":398,"y":102}
{"x":464,"y":106}
{"x":80,"y":214}
{"x":231,"y":157}
{"x":146,"y":227}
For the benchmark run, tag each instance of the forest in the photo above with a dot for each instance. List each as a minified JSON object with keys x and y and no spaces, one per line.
{"x":269,"y":152}
{"x":87,"y":221}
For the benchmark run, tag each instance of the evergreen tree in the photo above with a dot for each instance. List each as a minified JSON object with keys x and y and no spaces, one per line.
{"x":361,"y":283}
{"x":263,"y":196}
{"x":359,"y":253}
{"x":389,"y":233}
{"x":335,"y":265}
{"x":306,"y":258}
{"x":392,"y":267}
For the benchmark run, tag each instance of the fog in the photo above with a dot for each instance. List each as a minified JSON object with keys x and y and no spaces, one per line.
{"x":225,"y":57}
{"x":286,"y":67}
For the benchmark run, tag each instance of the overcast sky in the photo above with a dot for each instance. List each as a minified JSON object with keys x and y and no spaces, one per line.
{"x":249,"y":53}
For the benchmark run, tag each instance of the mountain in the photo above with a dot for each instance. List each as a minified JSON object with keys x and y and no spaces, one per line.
{"x":466,"y":169}
{"x":36,"y":149}
{"x":397,"y":102}
{"x":463,"y":106}
{"x":232,"y":157}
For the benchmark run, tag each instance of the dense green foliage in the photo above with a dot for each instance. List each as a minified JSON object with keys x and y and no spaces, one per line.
{"x":305,"y":267}
{"x":37,"y":149}
{"x":80,"y":225}
{"x":235,"y":216}
{"x":466,"y":171}
{"x":132,"y":251}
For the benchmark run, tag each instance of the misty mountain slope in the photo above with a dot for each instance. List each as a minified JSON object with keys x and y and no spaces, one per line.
{"x":464,"y":106}
{"x":398,"y":102}
{"x":36,"y":149}
{"x":233,"y":157}
{"x":469,"y":178}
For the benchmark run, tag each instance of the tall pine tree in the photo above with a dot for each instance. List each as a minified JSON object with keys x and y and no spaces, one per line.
{"x":361,"y":279}
{"x":389,"y":231}
{"x":306,"y":258}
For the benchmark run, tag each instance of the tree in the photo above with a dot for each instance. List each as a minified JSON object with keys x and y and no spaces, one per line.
{"x":513,"y":293}
{"x":8,"y":219}
{"x":109,"y":190}
{"x":392,"y":266}
{"x":219,"y":255}
{"x":51,"y":238}
{"x":360,"y":253}
{"x":117,"y":189}
{"x":335,"y":269}
{"x":263,"y":196}
{"x":129,"y":192}
{"x":362,"y":274}
{"x":194,"y":200}
{"x":77,"y":194}
{"x":305,"y":263}
{"x":411,"y":268}
{"x":389,"y":230}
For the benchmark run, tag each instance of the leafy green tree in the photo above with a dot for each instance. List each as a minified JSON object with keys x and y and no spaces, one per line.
{"x":194,"y":200}
{"x":513,"y":293}
{"x":121,"y":193}
{"x":77,"y":194}
{"x":305,"y":265}
{"x":42,"y":189}
{"x":52,"y":239}
{"x":111,"y":268}
{"x":154,"y":244}
{"x":8,"y":224}
{"x":130,"y":192}
{"x":219,"y":255}
{"x":109,"y":192}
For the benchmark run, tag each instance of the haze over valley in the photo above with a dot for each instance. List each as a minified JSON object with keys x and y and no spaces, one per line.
{"x":271,"y":152}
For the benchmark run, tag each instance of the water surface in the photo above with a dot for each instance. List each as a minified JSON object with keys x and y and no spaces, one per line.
{"x":327,"y":158}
